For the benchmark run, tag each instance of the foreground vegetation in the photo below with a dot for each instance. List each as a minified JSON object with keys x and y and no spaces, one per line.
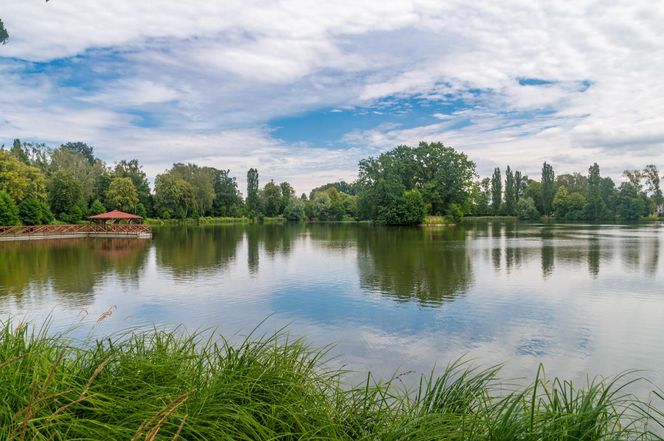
{"x":160,"y":385}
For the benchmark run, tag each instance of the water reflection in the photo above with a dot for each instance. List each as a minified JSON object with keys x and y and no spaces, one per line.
{"x":429,"y":265}
{"x":190,"y":251}
{"x":72,"y":268}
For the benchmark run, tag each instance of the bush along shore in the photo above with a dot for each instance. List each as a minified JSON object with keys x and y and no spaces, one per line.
{"x":159,"y":385}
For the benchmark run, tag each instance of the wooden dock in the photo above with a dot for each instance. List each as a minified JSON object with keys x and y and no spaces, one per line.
{"x":37,"y":232}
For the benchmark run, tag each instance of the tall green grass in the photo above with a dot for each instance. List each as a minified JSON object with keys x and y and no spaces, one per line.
{"x":164,"y":386}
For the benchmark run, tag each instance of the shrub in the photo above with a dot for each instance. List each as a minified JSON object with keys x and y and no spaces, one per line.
{"x":9,"y":214}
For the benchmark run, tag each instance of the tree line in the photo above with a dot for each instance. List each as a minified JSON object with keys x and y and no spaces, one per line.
{"x":41,"y":184}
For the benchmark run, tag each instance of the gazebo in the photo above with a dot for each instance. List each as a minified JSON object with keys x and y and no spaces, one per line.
{"x":114,"y":217}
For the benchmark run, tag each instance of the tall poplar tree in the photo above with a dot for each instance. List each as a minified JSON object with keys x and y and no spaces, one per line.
{"x":548,"y":188}
{"x":510,"y":192}
{"x":252,"y":192}
{"x":496,"y":191}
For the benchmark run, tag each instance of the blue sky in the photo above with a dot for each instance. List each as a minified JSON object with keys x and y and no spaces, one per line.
{"x":304,"y":91}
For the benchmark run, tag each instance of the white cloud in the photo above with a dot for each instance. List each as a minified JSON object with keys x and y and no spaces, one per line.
{"x":215,"y":73}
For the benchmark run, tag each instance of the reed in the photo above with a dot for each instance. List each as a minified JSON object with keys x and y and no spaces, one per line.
{"x":157,"y":385}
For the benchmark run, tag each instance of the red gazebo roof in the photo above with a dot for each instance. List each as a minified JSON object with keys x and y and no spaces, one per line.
{"x":115,"y":214}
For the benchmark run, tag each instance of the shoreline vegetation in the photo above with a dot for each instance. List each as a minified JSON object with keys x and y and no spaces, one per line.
{"x":162,"y":385}
{"x":428,"y":184}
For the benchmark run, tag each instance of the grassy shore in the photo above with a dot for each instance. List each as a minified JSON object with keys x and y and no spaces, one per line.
{"x":159,"y":385}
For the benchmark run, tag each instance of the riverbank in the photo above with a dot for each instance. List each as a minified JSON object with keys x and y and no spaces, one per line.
{"x":160,"y":385}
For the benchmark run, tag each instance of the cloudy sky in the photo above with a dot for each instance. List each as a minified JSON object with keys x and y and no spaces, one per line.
{"x":302,"y":90}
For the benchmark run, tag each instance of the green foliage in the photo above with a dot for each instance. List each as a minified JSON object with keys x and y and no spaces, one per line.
{"x":510,"y":192}
{"x":81,"y":148}
{"x":294,"y":210}
{"x":341,"y":187}
{"x":9,"y":212}
{"x":547,"y":188}
{"x":140,"y":210}
{"x":441,"y":175}
{"x":496,"y":191}
{"x":227,"y":198}
{"x":159,"y":385}
{"x":4,"y":36}
{"x":65,"y":197}
{"x":174,"y":196}
{"x":252,"y":202}
{"x":569,"y":206}
{"x":631,"y":205}
{"x":653,"y":188}
{"x":122,"y":195}
{"x":97,"y":208}
{"x":21,"y":181}
{"x":526,"y":209}
{"x":271,"y":199}
{"x":133,"y":170}
{"x":31,"y":212}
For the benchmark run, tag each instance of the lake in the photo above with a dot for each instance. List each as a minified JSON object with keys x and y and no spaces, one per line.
{"x":582,"y":299}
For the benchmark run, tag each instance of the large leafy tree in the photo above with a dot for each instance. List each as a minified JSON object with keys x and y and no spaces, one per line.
{"x":174,"y":197}
{"x":227,"y":198}
{"x":629,"y":203}
{"x":547,"y":188}
{"x":65,"y":196}
{"x":9,"y":213}
{"x":271,"y":199}
{"x":442,"y":176}
{"x":93,"y":176}
{"x":122,"y":195}
{"x":132,"y":169}
{"x":19,"y":180}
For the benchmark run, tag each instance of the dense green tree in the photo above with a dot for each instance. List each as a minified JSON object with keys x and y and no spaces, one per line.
{"x":496,"y":191}
{"x":174,"y":197}
{"x":483,"y":197}
{"x":20,"y":180}
{"x":93,"y":176}
{"x":65,"y":196}
{"x":341,"y":187}
{"x":629,"y":204}
{"x":568,"y":206}
{"x":534,"y":191}
{"x":526,"y":209}
{"x":547,"y":188}
{"x":510,"y":192}
{"x":132,"y":169}
{"x":520,"y":184}
{"x":82,"y":148}
{"x":271,"y":199}
{"x":575,"y":183}
{"x":97,"y":207}
{"x":227,"y":198}
{"x":294,"y":210}
{"x":31,"y":212}
{"x":4,"y":35}
{"x":9,"y":213}
{"x":252,"y":201}
{"x":441,"y":174}
{"x":122,"y":195}
{"x":201,"y":181}
{"x":320,"y":206}
{"x":651,"y":175}
{"x":596,"y":208}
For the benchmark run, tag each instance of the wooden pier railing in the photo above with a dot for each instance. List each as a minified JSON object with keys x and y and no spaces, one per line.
{"x":83,"y":230}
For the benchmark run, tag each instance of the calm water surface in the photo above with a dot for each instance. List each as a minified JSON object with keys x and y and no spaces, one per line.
{"x":582,"y":299}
